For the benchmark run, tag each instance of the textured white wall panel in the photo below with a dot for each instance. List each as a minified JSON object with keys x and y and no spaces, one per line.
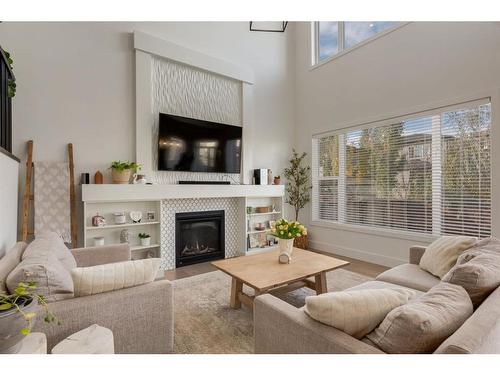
{"x":186,"y":91}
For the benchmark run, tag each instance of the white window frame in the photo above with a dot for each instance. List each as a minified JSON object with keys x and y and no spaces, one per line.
{"x":436,"y":148}
{"x":315,"y":63}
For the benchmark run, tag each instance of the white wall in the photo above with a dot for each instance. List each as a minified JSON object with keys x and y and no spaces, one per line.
{"x":417,"y":66}
{"x":75,"y":83}
{"x":9,"y":171}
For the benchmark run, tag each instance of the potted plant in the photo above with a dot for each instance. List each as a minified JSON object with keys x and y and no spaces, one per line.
{"x":145,"y":239}
{"x":11,"y":83}
{"x":18,"y":313}
{"x":297,"y":189}
{"x":122,"y":170}
{"x":277,"y":180}
{"x":287,"y":231}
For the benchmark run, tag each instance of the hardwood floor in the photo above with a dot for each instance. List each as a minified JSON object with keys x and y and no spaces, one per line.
{"x":358,"y":266}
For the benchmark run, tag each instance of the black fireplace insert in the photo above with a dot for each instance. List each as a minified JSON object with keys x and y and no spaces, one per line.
{"x":199,"y":237}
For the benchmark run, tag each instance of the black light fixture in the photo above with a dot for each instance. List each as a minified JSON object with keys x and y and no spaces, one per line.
{"x":269,"y":27}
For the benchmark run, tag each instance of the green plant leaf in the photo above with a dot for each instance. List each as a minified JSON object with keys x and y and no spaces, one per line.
{"x":6,"y":306}
{"x":25,"y":331}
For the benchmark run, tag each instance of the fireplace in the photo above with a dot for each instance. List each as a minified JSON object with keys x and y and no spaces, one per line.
{"x":199,"y":237}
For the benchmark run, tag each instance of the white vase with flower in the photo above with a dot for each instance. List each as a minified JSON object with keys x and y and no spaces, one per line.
{"x":287,"y":231}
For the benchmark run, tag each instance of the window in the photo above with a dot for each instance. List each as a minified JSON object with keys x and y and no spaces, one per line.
{"x":429,"y":173}
{"x":335,"y":37}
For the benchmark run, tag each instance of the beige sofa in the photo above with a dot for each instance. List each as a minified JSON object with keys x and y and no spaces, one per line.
{"x":140,"y":317}
{"x":282,"y":328}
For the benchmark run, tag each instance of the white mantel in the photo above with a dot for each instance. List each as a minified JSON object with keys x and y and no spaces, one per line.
{"x":117,"y":193}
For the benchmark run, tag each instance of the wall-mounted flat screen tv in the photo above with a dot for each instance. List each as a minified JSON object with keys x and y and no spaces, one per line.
{"x":190,"y":145}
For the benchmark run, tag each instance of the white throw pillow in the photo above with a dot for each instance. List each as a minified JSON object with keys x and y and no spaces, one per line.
{"x":356,"y":312}
{"x":113,"y":276}
{"x":441,"y":255}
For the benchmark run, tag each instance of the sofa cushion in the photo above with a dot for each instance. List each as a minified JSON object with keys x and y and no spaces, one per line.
{"x":479,"y":276}
{"x":50,"y":242}
{"x":355,"y":312}
{"x":491,"y":342}
{"x":489,"y":245}
{"x":468,"y":339}
{"x":51,"y":277}
{"x":9,"y":261}
{"x":424,"y":323}
{"x":375,"y":284}
{"x":409,"y":275}
{"x":113,"y":276}
{"x":441,"y":255}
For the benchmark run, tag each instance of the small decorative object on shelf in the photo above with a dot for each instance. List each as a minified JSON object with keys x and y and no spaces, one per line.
{"x":139,"y":179}
{"x":136,"y":216}
{"x":269,"y":177}
{"x":85,"y":178}
{"x":98,"y":178}
{"x":260,"y":226}
{"x":262,"y":210}
{"x":120,"y":218}
{"x":98,"y":241}
{"x":151,"y":215}
{"x":145,"y":239}
{"x":124,"y":236}
{"x":98,"y":220}
{"x":250,"y":210}
{"x":253,"y":242}
{"x":277,"y":180}
{"x":287,"y":231}
{"x":122,"y":170}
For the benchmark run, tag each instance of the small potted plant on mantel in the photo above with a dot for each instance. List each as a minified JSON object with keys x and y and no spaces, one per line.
{"x":145,"y":239}
{"x":18,"y":313}
{"x":122,"y":170}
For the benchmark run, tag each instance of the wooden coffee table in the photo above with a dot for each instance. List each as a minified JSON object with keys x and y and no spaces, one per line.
{"x":263,"y":272}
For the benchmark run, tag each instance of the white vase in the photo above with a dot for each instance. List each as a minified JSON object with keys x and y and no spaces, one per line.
{"x":286,"y":246}
{"x":146,"y":241}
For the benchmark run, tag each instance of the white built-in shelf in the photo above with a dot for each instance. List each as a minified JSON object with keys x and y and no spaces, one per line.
{"x":259,"y":231}
{"x":140,"y":247}
{"x":265,"y":213}
{"x":127,"y":225}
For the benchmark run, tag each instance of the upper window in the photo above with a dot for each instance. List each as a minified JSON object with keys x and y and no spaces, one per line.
{"x":335,"y":37}
{"x":428,"y":173}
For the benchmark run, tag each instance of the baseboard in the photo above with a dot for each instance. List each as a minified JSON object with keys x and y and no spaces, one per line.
{"x":357,"y":254}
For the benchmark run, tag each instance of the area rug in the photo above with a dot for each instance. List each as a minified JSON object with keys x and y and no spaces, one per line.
{"x":204,"y":322}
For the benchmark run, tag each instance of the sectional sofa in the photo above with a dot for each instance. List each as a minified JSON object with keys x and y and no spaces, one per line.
{"x":282,"y":328}
{"x":140,"y":317}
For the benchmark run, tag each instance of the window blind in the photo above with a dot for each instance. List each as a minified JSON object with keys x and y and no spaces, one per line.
{"x":428,"y":173}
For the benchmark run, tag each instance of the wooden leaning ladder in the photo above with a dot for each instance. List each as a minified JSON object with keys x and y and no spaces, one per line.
{"x":29,"y":197}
